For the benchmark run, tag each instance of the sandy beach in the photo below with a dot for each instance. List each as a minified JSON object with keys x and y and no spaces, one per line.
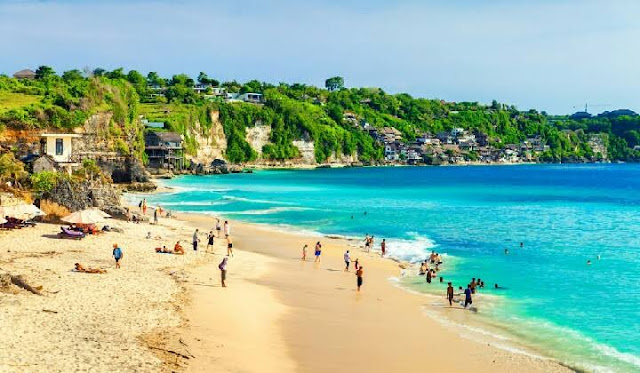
{"x":163,"y":312}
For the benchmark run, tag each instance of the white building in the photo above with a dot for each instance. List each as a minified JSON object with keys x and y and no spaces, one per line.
{"x":59,"y":147}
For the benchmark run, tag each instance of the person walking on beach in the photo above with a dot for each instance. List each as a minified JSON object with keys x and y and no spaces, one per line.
{"x":318,"y":251}
{"x":467,"y":296}
{"x":144,"y":206}
{"x":383,"y":247}
{"x":155,"y":216}
{"x":347,"y":261}
{"x":359,"y":274}
{"x":117,"y":254}
{"x":223,"y":271}
{"x":304,"y":253}
{"x":210,"y":241}
{"x":218,"y":228}
{"x":367,"y":242}
{"x":450,"y":294}
{"x":229,"y":246}
{"x":227,"y":228}
{"x":195,"y":240}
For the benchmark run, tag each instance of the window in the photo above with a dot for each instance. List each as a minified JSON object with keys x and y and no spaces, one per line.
{"x":59,"y":147}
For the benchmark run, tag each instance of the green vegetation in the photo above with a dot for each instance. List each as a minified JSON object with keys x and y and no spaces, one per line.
{"x":331,"y":117}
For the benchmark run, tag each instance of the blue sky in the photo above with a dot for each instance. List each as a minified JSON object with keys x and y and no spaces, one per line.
{"x":548,"y":55}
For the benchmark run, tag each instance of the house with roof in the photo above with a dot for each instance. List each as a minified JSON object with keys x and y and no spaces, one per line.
{"x":59,"y":147}
{"x":25,"y":74}
{"x":164,"y":150}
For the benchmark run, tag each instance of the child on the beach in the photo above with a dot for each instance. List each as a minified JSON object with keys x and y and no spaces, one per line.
{"x":304,"y":252}
{"x":117,"y":254}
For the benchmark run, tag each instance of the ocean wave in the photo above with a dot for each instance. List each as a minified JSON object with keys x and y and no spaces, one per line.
{"x":193,"y":203}
{"x":273,"y":210}
{"x":185,"y":189}
{"x":414,"y":249}
{"x":250,"y":200}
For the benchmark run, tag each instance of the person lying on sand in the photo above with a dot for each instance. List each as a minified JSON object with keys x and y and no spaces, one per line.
{"x":80,"y":268}
{"x":177,"y":249}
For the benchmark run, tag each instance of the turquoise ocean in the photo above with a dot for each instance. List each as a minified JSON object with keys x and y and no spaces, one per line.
{"x":586,"y":316}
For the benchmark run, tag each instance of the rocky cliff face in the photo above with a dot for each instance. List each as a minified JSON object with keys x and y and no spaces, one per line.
{"x":212,"y":144}
{"x":75,"y":196}
{"x":258,"y":136}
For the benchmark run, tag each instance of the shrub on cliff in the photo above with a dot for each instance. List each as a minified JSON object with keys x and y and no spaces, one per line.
{"x":45,"y":181}
{"x":11,"y":169}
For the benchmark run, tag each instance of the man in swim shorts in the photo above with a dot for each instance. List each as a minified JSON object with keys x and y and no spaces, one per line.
{"x":450,"y":294}
{"x":359,"y":274}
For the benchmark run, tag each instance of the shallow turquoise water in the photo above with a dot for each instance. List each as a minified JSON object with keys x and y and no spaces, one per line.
{"x":584,"y":315}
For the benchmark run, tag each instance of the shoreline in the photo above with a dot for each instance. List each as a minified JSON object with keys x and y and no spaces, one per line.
{"x":503,"y":357}
{"x":164,"y":312}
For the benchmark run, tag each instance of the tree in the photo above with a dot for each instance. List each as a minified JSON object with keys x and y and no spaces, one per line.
{"x":154,"y":79}
{"x":203,"y":78}
{"x":116,"y":74}
{"x":335,"y":83}
{"x":44,"y":73}
{"x":71,"y":75}
{"x":99,"y":71}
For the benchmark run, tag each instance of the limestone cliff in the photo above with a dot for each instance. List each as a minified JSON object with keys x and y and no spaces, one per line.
{"x":211,"y":144}
{"x":258,"y":136}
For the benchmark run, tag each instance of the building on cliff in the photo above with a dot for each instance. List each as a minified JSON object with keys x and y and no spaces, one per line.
{"x":58,"y":146}
{"x":164,"y":150}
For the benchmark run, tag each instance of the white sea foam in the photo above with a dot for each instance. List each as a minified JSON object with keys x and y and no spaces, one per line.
{"x":414,"y":249}
{"x":243,"y":199}
{"x":272,"y":210}
{"x":193,"y":203}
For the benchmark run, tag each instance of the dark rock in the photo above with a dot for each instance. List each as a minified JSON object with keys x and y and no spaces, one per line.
{"x":129,"y":171}
{"x":77,"y":196}
{"x":141,"y":187}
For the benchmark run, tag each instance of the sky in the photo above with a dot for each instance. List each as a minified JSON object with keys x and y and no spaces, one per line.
{"x":548,"y":55}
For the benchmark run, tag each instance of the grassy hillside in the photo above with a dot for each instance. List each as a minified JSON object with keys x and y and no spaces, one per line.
{"x":332,"y":118}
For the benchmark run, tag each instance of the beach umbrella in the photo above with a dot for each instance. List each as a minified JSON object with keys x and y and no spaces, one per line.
{"x":88,"y":216}
{"x":102,"y":213}
{"x":21,"y":211}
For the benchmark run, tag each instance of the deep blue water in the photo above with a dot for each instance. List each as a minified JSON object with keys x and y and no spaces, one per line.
{"x":585,"y":315}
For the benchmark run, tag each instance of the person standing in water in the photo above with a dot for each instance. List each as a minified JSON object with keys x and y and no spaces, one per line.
{"x":359,"y":274}
{"x":223,"y":271}
{"x":318,"y":251}
{"x":428,"y":276}
{"x":450,"y":294}
{"x":467,"y":296}
{"x":304,"y":253}
{"x":383,"y":247}
{"x":347,"y":261}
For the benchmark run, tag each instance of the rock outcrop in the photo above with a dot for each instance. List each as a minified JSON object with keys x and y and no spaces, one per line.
{"x":211,"y":144}
{"x":75,"y":196}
